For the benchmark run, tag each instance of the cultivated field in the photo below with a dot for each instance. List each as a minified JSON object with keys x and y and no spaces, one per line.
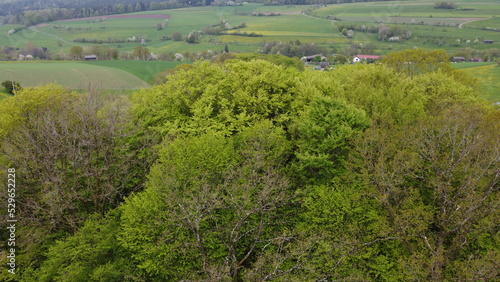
{"x":74,"y":75}
{"x":432,"y":28}
{"x":382,"y":11}
{"x":60,"y":36}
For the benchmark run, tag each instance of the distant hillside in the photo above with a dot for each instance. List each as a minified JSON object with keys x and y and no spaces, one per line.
{"x":28,"y":12}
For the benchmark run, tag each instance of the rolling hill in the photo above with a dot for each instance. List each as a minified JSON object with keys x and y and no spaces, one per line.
{"x":75,"y":75}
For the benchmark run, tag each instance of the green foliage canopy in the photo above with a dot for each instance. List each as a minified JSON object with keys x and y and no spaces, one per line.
{"x":262,"y":172}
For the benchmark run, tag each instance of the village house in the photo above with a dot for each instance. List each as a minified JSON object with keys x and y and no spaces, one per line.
{"x":458,"y":59}
{"x":90,"y":57}
{"x":367,"y":58}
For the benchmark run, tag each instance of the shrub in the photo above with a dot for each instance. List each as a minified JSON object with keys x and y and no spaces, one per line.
{"x":11,"y":86}
{"x":176,"y":36}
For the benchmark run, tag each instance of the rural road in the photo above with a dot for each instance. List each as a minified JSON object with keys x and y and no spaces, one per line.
{"x":53,"y":35}
{"x":460,"y":25}
{"x":304,"y":14}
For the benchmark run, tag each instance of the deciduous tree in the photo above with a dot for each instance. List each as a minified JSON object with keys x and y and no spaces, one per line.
{"x":418,"y":61}
{"x":438,"y":182}
{"x":76,"y":52}
{"x":218,"y":201}
{"x":11,"y":87}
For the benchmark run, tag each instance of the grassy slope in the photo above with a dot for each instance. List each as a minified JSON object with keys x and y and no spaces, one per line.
{"x":493,"y":23}
{"x":489,"y":79}
{"x":69,"y":74}
{"x":488,"y":75}
{"x":144,"y":70}
{"x":440,"y":30}
{"x":374,"y":11}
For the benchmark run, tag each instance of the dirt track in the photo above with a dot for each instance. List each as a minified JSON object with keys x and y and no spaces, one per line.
{"x":156,"y":16}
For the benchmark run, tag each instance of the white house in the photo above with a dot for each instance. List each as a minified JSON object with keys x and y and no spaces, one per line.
{"x":359,"y":58}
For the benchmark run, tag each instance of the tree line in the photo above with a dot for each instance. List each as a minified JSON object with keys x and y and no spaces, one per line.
{"x":31,"y":13}
{"x":248,"y":170}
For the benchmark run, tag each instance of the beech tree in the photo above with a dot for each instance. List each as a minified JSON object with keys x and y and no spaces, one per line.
{"x":218,"y":201}
{"x":323,"y":131}
{"x":261,"y":172}
{"x":76,"y":52}
{"x":216,"y":97}
{"x":72,"y":159}
{"x":418,"y":61}
{"x":141,"y":53}
{"x":438,"y":182}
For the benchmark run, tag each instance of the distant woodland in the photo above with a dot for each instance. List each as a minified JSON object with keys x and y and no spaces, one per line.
{"x":27,"y":12}
{"x":32,"y":13}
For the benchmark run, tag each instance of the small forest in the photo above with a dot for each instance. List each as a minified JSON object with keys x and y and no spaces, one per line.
{"x":249,"y":170}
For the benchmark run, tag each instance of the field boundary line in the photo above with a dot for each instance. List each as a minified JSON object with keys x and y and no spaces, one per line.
{"x":53,"y":35}
{"x":460,"y":25}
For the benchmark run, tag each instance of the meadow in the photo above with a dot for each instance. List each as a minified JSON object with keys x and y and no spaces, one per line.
{"x":488,"y":75}
{"x":436,"y":28}
{"x":145,"y":70}
{"x":432,"y":28}
{"x":60,"y":36}
{"x":379,"y":11}
{"x":74,"y":75}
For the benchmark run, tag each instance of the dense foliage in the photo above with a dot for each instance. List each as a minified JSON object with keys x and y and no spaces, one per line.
{"x":11,"y":86}
{"x":34,"y":12}
{"x":260,"y":171}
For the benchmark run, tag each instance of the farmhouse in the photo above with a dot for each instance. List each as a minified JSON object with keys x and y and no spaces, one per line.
{"x":458,"y":59}
{"x":477,"y":60}
{"x":90,"y":57}
{"x":370,"y":58}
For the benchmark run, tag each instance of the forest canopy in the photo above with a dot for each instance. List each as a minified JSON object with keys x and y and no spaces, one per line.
{"x":247,"y":170}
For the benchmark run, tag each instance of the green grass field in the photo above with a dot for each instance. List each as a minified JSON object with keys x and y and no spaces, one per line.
{"x":59,"y":36}
{"x":432,"y":28}
{"x":488,"y":75}
{"x":376,"y":11}
{"x":145,"y":70}
{"x":485,"y":23}
{"x":470,"y":65}
{"x":489,"y":80}
{"x":439,"y":29}
{"x":74,"y":75}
